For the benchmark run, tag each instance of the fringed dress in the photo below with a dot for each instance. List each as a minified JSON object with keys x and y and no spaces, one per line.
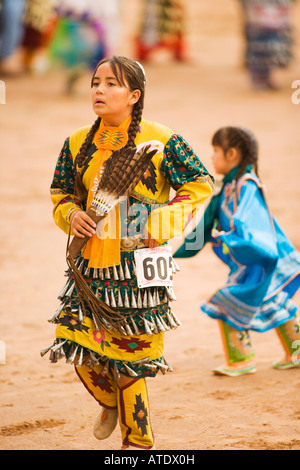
{"x":136,"y":349}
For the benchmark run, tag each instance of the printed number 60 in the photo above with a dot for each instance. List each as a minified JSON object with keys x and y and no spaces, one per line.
{"x":161,"y":268}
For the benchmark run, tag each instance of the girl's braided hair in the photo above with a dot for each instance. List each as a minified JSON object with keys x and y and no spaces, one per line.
{"x":123,"y":69}
{"x":241,"y":139}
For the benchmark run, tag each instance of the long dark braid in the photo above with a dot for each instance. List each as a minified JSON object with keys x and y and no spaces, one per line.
{"x":123,"y":68}
{"x":80,"y":189}
{"x":241,"y":139}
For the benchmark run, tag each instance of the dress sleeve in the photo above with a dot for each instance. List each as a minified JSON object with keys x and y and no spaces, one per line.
{"x":192,"y":184}
{"x":62,"y":189}
{"x":252,"y":239}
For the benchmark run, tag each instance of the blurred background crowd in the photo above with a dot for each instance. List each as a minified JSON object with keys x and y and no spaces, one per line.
{"x":36,"y":35}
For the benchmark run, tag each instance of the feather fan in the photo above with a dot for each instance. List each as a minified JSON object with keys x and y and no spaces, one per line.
{"x":123,"y":170}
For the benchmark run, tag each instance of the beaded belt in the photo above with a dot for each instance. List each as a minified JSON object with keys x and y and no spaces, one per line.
{"x":132,"y":243}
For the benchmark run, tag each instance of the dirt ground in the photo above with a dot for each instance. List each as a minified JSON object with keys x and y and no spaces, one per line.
{"x":43,"y":406}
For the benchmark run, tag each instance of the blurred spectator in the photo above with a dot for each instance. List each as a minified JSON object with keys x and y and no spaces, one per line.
{"x":268,"y":34}
{"x":11,"y":35}
{"x":162,"y":26}
{"x":85,"y":33}
{"x":38,"y":23}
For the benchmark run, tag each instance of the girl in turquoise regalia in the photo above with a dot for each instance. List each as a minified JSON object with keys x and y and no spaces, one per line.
{"x":264,"y":266}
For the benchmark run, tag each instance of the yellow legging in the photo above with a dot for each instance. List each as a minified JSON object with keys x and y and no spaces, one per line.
{"x":130,"y":398}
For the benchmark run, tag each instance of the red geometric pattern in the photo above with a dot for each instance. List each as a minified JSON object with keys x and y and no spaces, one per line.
{"x":131,"y":345}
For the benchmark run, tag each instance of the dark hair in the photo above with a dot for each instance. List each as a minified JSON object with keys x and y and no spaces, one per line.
{"x":123,"y":69}
{"x":241,"y":139}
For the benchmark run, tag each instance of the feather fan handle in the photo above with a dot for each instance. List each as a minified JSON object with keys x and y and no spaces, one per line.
{"x":123,"y":170}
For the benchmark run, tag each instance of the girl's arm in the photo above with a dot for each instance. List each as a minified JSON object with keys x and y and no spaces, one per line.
{"x":193,"y":185}
{"x":252,"y":239}
{"x":62,"y":189}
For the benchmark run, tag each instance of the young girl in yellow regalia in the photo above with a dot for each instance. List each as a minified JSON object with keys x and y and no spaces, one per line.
{"x":113,"y":365}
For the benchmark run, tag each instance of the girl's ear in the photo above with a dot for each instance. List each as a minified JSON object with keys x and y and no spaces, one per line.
{"x":233,"y":156}
{"x":135,"y":96}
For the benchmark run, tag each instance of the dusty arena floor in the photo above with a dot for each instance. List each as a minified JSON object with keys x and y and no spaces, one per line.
{"x":44,"y":406}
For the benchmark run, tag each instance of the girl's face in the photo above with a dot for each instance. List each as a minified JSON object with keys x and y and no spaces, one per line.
{"x":111,"y":101}
{"x":223,"y":162}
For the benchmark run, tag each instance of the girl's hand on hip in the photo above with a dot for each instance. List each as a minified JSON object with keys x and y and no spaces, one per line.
{"x":82,"y":225}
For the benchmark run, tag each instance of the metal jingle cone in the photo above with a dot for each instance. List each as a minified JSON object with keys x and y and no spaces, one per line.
{"x":151,"y":367}
{"x":163,"y":322}
{"x":87,"y":272}
{"x":135,"y":327}
{"x":154,"y":327}
{"x":145,"y":299}
{"x":80,"y":358}
{"x":150,"y":299}
{"x":80,"y":314}
{"x":161,"y":366}
{"x":159,"y":324}
{"x":122,"y":330}
{"x":106,"y":297}
{"x":60,"y":353}
{"x":139,"y":299}
{"x":133,"y":300}
{"x":101,"y":274}
{"x":156,"y":298}
{"x":128,"y":329}
{"x":115,"y":273}
{"x":58,"y":345}
{"x":45,"y":350}
{"x":95,"y":273}
{"x":106,"y":273}
{"x":89,"y":363}
{"x":133,"y":267}
{"x":172,"y":323}
{"x":170,"y":293}
{"x":70,"y":290}
{"x":130,"y":371}
{"x":105,"y":369}
{"x":116,"y":372}
{"x":94,"y":359}
{"x":141,"y":361}
{"x":80,"y":267}
{"x":148,"y":330}
{"x":176,"y":319}
{"x":165,"y":298}
{"x":120,"y":301}
{"x":64,"y":290}
{"x":127,"y":272}
{"x":170,"y":368}
{"x":53,"y":357}
{"x":56,"y":314}
{"x":112,"y":299}
{"x":121,"y":275}
{"x":126,"y":300}
{"x":72,"y":355}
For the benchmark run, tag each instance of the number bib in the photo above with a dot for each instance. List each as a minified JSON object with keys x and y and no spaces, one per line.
{"x":154,"y":266}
